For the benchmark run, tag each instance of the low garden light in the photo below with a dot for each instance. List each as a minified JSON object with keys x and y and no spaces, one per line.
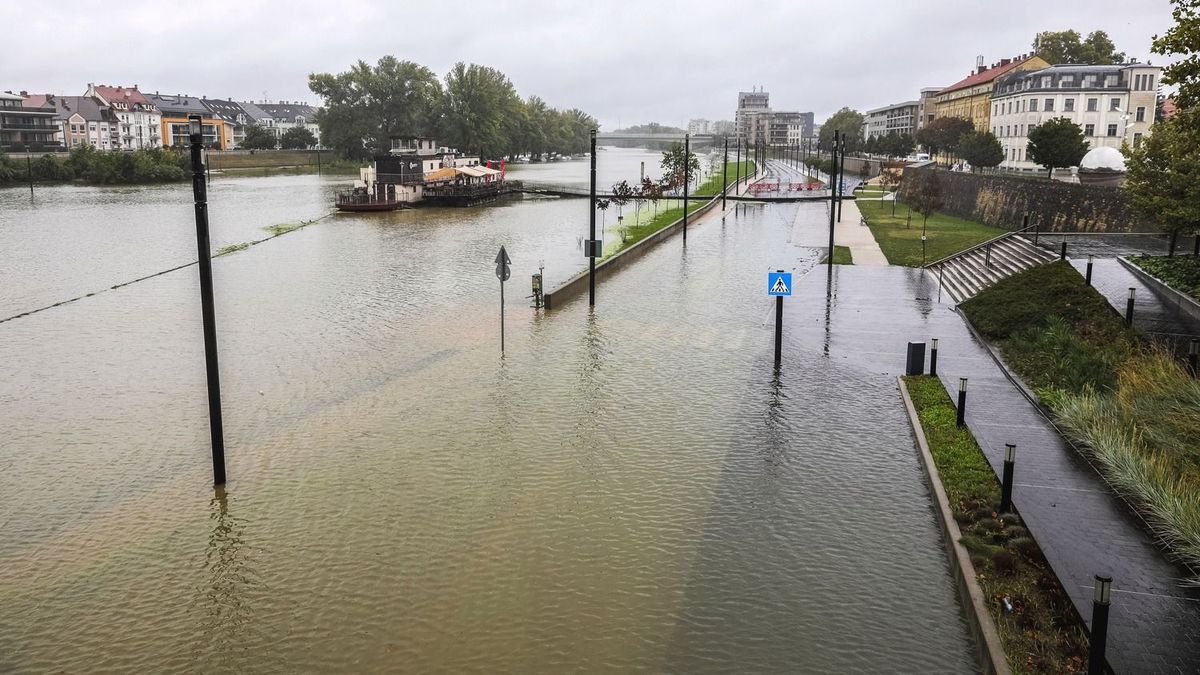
{"x":1129,"y":307}
{"x":933,"y":356}
{"x":1087,"y":277}
{"x":1006,"y":485}
{"x":962,"y":401}
{"x":1099,"y":638}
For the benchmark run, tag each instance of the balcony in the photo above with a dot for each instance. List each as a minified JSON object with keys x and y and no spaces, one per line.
{"x":28,"y":126}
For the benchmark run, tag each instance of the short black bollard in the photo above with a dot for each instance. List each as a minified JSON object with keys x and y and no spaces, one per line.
{"x":962,"y":401}
{"x":916,"y":359}
{"x":1010,"y":459}
{"x":933,"y":357}
{"x":1193,"y":356}
{"x":1063,"y":254}
{"x":1099,"y":637}
{"x":1196,"y":246}
{"x":1129,"y":308}
{"x":1087,"y":278}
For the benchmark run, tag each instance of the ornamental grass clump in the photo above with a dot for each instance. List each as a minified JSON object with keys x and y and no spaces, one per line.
{"x":1145,"y":436}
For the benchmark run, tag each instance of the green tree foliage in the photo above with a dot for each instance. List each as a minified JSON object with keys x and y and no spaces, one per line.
{"x":1183,"y":39}
{"x":477,"y":110}
{"x":921,"y":190}
{"x":8,"y":169}
{"x":850,"y":123}
{"x":943,"y":134}
{"x":297,"y":138}
{"x":1163,"y":174}
{"x":981,"y":149}
{"x":1068,"y":47}
{"x":1163,"y":171}
{"x":366,"y":106}
{"x":258,"y":138}
{"x":894,"y":145}
{"x":1056,"y":144}
{"x":673,"y":166}
{"x":156,"y":165}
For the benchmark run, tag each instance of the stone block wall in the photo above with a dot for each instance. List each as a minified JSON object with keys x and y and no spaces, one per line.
{"x":1001,"y":201}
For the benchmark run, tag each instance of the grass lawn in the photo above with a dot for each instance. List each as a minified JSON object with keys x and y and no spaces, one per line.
{"x":1042,"y":634}
{"x":841,"y":256}
{"x":1133,"y":407}
{"x":650,"y":224}
{"x":712,"y":186}
{"x":1181,"y":272}
{"x":901,"y":241}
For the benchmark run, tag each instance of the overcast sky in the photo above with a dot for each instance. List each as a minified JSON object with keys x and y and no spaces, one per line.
{"x":624,"y":62}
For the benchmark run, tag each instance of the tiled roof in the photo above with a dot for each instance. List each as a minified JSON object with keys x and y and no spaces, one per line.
{"x":985,"y":76}
{"x":114,"y":94}
{"x":288,"y":112}
{"x":86,"y":106}
{"x":179,"y":103}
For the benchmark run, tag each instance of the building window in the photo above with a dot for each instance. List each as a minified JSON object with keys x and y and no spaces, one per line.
{"x":1067,"y":81}
{"x":1114,"y":104}
{"x":1137,"y":139}
{"x":1112,"y":130}
{"x":1033,"y":105}
{"x":1141,"y":114}
{"x":1069,"y":105}
{"x":1150,"y":82}
{"x":1045,"y":82}
{"x":1089,"y":130}
{"x":1049,"y":107}
{"x":1110,"y":81}
{"x":1093,"y":104}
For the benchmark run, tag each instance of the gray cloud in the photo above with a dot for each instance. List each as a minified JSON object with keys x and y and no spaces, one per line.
{"x":625,"y":62}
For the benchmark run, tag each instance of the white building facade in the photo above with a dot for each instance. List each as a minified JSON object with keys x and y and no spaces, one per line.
{"x":898,"y":118}
{"x":140,"y":120}
{"x":1111,"y":104}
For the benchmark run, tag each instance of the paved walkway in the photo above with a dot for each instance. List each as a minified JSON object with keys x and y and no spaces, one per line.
{"x":1154,"y":318}
{"x":867,"y":314}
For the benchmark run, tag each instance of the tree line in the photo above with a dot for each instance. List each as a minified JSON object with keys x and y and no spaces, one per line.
{"x":473,"y":108}
{"x":86,"y":163}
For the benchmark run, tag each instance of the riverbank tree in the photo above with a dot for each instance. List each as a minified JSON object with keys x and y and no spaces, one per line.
{"x":86,"y":163}
{"x":474,"y":108}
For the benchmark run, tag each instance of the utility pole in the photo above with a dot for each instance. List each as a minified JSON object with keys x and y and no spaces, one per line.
{"x":687,"y":178}
{"x":725,"y":173}
{"x":737,"y":181}
{"x":207,"y":310}
{"x":841,"y":178}
{"x":591,"y":253}
{"x":833,"y":195}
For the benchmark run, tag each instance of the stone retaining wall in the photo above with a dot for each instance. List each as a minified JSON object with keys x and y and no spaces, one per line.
{"x":1002,"y":201}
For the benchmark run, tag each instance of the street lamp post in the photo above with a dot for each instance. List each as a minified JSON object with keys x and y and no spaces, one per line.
{"x":687,"y":178}
{"x":1101,"y":597}
{"x":200,"y":195}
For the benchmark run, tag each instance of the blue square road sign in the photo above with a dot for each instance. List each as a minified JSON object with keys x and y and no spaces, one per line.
{"x":779,"y":283}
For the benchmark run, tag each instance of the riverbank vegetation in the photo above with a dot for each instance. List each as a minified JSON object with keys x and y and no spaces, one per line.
{"x":475,"y":109}
{"x":1179,"y":272}
{"x":1038,"y":627}
{"x":712,"y":186}
{"x":1131,"y":406}
{"x":646,"y":223}
{"x":841,"y":256}
{"x":899,"y":235}
{"x":89,"y":165}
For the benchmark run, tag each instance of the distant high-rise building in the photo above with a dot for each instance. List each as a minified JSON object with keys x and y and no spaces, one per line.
{"x":750,"y":103}
{"x":755,"y":122}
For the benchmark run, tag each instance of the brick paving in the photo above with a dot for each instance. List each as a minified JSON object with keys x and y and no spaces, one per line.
{"x":866,"y":315}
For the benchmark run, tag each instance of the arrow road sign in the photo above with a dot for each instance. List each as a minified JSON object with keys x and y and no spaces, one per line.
{"x":779,"y":283}
{"x":502,"y":265}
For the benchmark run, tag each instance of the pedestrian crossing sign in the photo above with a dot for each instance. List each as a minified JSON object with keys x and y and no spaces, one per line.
{"x":779,"y":283}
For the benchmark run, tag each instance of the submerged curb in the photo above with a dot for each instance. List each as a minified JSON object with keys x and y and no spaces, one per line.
{"x":578,"y":283}
{"x":989,"y":651}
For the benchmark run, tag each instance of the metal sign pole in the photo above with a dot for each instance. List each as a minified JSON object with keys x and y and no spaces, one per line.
{"x":592,"y":230}
{"x":687,"y":178}
{"x":725,"y":174}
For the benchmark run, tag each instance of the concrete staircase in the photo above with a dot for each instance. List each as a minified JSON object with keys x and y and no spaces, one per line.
{"x":964,"y":274}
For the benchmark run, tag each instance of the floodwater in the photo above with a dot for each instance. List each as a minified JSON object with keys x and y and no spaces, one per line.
{"x":626,"y":489}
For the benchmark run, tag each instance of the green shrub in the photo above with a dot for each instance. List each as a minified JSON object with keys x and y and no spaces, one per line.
{"x":1180,"y":272}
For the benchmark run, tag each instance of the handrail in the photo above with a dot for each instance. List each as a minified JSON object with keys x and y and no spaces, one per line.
{"x":980,"y":245}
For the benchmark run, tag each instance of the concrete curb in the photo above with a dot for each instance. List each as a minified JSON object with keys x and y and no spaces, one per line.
{"x":578,"y":283}
{"x":1182,"y":302}
{"x":990,"y":652}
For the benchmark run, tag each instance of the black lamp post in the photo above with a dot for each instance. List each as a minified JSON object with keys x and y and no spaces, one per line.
{"x":1087,"y":278}
{"x":1006,"y":485}
{"x":200,"y":194}
{"x":1099,"y":639}
{"x":933,"y":356}
{"x":962,"y":402}
{"x":1129,"y":307}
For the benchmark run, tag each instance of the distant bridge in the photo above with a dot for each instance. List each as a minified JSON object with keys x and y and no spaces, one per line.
{"x":666,"y":138}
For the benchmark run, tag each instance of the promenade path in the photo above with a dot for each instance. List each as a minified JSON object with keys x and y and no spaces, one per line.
{"x":865,"y":315}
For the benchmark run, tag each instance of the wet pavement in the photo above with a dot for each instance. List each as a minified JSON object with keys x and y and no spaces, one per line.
{"x":865,"y":317}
